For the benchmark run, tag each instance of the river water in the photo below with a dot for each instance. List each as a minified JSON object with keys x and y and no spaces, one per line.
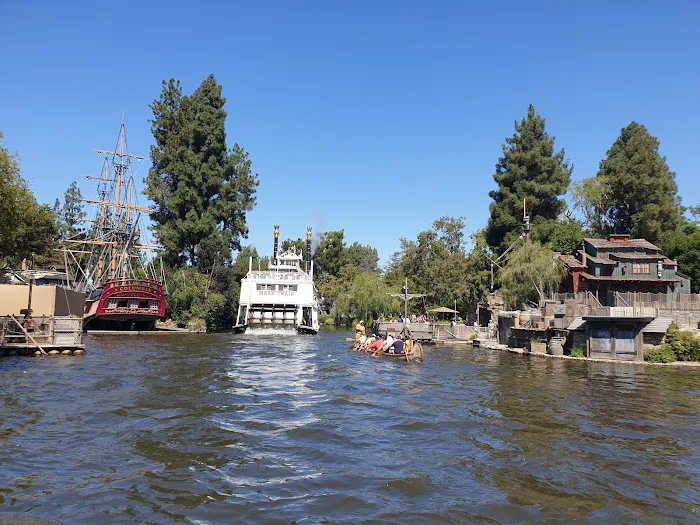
{"x":222,"y":428}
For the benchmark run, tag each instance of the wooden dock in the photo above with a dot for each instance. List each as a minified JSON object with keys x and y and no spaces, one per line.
{"x":45,"y":335}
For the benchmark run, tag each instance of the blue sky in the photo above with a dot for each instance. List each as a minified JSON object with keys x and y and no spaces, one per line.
{"x":372,"y":117}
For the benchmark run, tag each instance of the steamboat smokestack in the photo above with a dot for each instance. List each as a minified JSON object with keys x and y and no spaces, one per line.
{"x":277,"y":239}
{"x":308,"y":249}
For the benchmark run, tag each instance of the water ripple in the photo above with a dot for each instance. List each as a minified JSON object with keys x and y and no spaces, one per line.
{"x":274,"y":429}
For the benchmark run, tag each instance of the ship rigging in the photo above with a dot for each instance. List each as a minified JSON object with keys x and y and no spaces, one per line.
{"x":123,"y":288}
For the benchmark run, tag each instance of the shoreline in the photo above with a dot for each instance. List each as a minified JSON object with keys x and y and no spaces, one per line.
{"x":496,"y":346}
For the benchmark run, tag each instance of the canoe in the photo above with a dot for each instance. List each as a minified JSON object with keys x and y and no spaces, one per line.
{"x":415,"y":353}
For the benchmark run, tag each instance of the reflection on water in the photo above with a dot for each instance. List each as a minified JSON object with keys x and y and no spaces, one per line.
{"x":274,"y":429}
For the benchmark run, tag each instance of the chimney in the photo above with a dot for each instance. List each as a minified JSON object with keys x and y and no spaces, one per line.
{"x":619,"y":237}
{"x":308,"y":249}
{"x":277,"y":238}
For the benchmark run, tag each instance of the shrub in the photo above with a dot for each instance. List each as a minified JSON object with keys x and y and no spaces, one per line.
{"x":660,"y":354}
{"x":578,"y":352}
{"x":684,"y":345}
{"x":190,"y":299}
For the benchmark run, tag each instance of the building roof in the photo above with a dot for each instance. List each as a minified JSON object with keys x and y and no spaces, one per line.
{"x":571,"y":261}
{"x":623,"y":243}
{"x":622,"y":318}
{"x":600,"y":260}
{"x":628,"y":279}
{"x":638,"y":256}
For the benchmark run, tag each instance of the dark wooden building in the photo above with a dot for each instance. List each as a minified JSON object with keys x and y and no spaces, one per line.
{"x":621,"y":264}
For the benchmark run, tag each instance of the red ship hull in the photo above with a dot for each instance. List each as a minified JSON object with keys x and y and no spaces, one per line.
{"x":126,"y":304}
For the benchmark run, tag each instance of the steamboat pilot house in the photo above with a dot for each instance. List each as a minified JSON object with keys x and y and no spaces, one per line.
{"x":283,"y":296}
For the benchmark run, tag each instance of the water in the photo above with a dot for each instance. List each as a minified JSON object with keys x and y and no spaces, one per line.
{"x":237,"y":429}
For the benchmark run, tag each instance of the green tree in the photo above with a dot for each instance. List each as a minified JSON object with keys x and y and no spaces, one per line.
{"x":26,"y":227}
{"x":634,"y":190}
{"x":683,"y":245}
{"x":592,"y":198}
{"x":363,"y":257}
{"x":11,"y":188}
{"x":191,"y":299}
{"x":299,"y":246}
{"x":531,"y":274}
{"x":72,"y":214}
{"x":329,"y":256}
{"x":201,"y":190}
{"x":366,"y":298}
{"x":437,"y":265}
{"x":529,"y":170}
{"x":566,"y":235}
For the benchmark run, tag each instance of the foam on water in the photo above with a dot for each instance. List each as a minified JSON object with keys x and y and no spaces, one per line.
{"x":271,"y":331}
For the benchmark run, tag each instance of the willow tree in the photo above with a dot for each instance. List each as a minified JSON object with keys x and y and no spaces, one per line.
{"x":531,"y":274}
{"x":365,"y":299}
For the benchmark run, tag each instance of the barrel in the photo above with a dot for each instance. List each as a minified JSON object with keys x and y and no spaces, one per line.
{"x":556,"y":346}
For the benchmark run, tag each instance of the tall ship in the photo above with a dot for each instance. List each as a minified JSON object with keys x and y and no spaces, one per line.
{"x":282,"y":297}
{"x":110,"y":261}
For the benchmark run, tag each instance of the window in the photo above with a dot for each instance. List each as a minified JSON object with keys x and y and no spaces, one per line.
{"x":122,"y":303}
{"x":154,"y":304}
{"x":133,"y":303}
{"x":112,"y":303}
{"x":143,"y":303}
{"x":265,"y":287}
{"x":640,"y":268}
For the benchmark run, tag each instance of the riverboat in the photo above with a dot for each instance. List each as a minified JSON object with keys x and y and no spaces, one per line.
{"x":122,"y":287}
{"x":282,"y":297}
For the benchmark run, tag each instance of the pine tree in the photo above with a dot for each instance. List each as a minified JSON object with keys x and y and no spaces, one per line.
{"x":201,"y":190}
{"x":72,"y":213}
{"x":529,"y":170}
{"x":641,"y":190}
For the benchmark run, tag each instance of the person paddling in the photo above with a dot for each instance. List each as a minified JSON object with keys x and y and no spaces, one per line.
{"x":359,"y":330}
{"x":397,"y":348}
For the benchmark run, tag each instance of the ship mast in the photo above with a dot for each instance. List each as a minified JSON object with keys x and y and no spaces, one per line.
{"x":112,"y":238}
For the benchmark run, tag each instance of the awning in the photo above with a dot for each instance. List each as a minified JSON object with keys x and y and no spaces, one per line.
{"x":444,"y":310}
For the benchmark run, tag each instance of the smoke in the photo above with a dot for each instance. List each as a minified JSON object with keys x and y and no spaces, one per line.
{"x":319,"y":226}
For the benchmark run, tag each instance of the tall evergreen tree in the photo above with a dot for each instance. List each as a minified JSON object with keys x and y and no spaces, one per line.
{"x":72,"y":213}
{"x":640,"y":189}
{"x":529,"y":169}
{"x":201,"y":190}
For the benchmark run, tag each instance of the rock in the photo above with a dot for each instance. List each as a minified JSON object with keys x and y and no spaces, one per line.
{"x":67,"y":352}
{"x":79,"y":352}
{"x":54,"y":352}
{"x":37,"y":353}
{"x":197,"y":325}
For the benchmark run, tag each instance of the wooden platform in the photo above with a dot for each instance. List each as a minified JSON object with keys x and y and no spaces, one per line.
{"x":45,"y":333}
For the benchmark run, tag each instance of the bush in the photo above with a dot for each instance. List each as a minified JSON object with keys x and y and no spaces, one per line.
{"x":660,"y":354}
{"x":190,"y":299}
{"x":578,"y":352}
{"x":684,"y":345}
